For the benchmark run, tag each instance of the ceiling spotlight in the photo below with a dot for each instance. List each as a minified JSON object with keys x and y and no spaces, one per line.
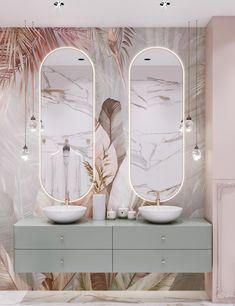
{"x":58,"y":3}
{"x":165,"y":3}
{"x":147,"y":59}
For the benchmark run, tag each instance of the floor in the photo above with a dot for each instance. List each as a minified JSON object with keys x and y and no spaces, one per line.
{"x":111,"y":298}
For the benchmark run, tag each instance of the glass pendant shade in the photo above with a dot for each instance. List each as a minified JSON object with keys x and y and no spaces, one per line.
{"x":181,"y":126}
{"x":33,"y":124}
{"x":189,"y":124}
{"x":196,"y":153}
{"x":25,"y":153}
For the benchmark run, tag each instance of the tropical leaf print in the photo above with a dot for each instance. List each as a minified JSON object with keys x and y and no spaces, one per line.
{"x":111,"y":120}
{"x":9,"y":280}
{"x":23,"y":49}
{"x":119,"y":41}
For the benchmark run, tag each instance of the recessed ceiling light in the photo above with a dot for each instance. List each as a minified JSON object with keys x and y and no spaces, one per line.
{"x":58,"y":3}
{"x":147,"y":59}
{"x":81,"y":59}
{"x":165,"y":3}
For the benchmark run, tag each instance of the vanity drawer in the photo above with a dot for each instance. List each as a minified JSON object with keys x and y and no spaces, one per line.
{"x":155,"y":237}
{"x":63,"y":261}
{"x":63,"y":237}
{"x":181,"y":261}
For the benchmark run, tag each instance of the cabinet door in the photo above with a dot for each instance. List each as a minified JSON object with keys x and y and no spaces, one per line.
{"x":195,"y":236}
{"x":63,"y":237}
{"x":162,"y":261}
{"x":63,"y":261}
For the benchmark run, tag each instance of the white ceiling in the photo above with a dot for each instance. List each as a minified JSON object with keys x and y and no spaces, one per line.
{"x":112,"y":13}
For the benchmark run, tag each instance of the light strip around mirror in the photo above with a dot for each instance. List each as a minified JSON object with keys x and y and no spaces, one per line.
{"x":93,"y":123}
{"x":129,"y":123}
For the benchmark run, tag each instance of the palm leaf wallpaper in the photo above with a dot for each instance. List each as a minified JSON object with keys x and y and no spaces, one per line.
{"x":111,"y":50}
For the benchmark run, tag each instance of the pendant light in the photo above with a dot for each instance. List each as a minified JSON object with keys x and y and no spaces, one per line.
{"x":189,"y":122}
{"x":196,"y":151}
{"x":25,"y":150}
{"x":33,"y":121}
{"x":181,"y":127}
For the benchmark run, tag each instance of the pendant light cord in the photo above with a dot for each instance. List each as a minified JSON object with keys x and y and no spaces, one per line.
{"x":189,"y":60}
{"x":25,"y":104}
{"x":165,"y":37}
{"x":196,"y":77}
{"x":33,"y":82}
{"x":25,"y":114}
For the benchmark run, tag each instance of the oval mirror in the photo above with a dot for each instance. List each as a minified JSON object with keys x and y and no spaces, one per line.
{"x":156,"y":108}
{"x":66,"y":133}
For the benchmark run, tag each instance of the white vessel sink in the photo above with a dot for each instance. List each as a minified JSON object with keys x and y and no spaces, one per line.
{"x":160,"y":213}
{"x":64,"y":213}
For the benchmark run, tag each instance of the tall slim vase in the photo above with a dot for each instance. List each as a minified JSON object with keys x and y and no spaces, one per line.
{"x":99,"y":208}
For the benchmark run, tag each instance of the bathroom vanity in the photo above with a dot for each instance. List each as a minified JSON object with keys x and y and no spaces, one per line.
{"x":112,"y":246}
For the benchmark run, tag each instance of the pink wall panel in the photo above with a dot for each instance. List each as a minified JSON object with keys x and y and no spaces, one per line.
{"x":209,"y":120}
{"x":220,"y":154}
{"x":223,"y":94}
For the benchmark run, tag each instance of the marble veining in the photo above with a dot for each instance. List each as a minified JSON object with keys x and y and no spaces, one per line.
{"x":102,"y":296}
{"x":156,"y":148}
{"x":67,"y":114}
{"x":172,"y":298}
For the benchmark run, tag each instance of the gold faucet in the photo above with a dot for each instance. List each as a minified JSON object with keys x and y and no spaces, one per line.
{"x":66,"y":201}
{"x":158,"y":201}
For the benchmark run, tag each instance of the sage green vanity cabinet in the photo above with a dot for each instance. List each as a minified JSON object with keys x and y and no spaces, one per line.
{"x":112,"y":246}
{"x":183,"y":246}
{"x":43,"y":246}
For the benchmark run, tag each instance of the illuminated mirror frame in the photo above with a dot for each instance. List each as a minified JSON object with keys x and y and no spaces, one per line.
{"x":93,"y":123}
{"x":183,"y":116}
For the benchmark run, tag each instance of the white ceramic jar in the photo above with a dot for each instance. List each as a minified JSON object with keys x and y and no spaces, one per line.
{"x":122,"y":212}
{"x":111,"y":214}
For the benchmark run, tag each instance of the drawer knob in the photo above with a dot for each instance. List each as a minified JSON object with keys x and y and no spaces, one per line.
{"x":61,"y":238}
{"x":163,"y":238}
{"x":163,"y":261}
{"x":62,"y":261}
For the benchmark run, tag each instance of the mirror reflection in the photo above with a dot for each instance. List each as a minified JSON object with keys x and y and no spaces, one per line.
{"x":156,"y":110}
{"x":66,"y":123}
